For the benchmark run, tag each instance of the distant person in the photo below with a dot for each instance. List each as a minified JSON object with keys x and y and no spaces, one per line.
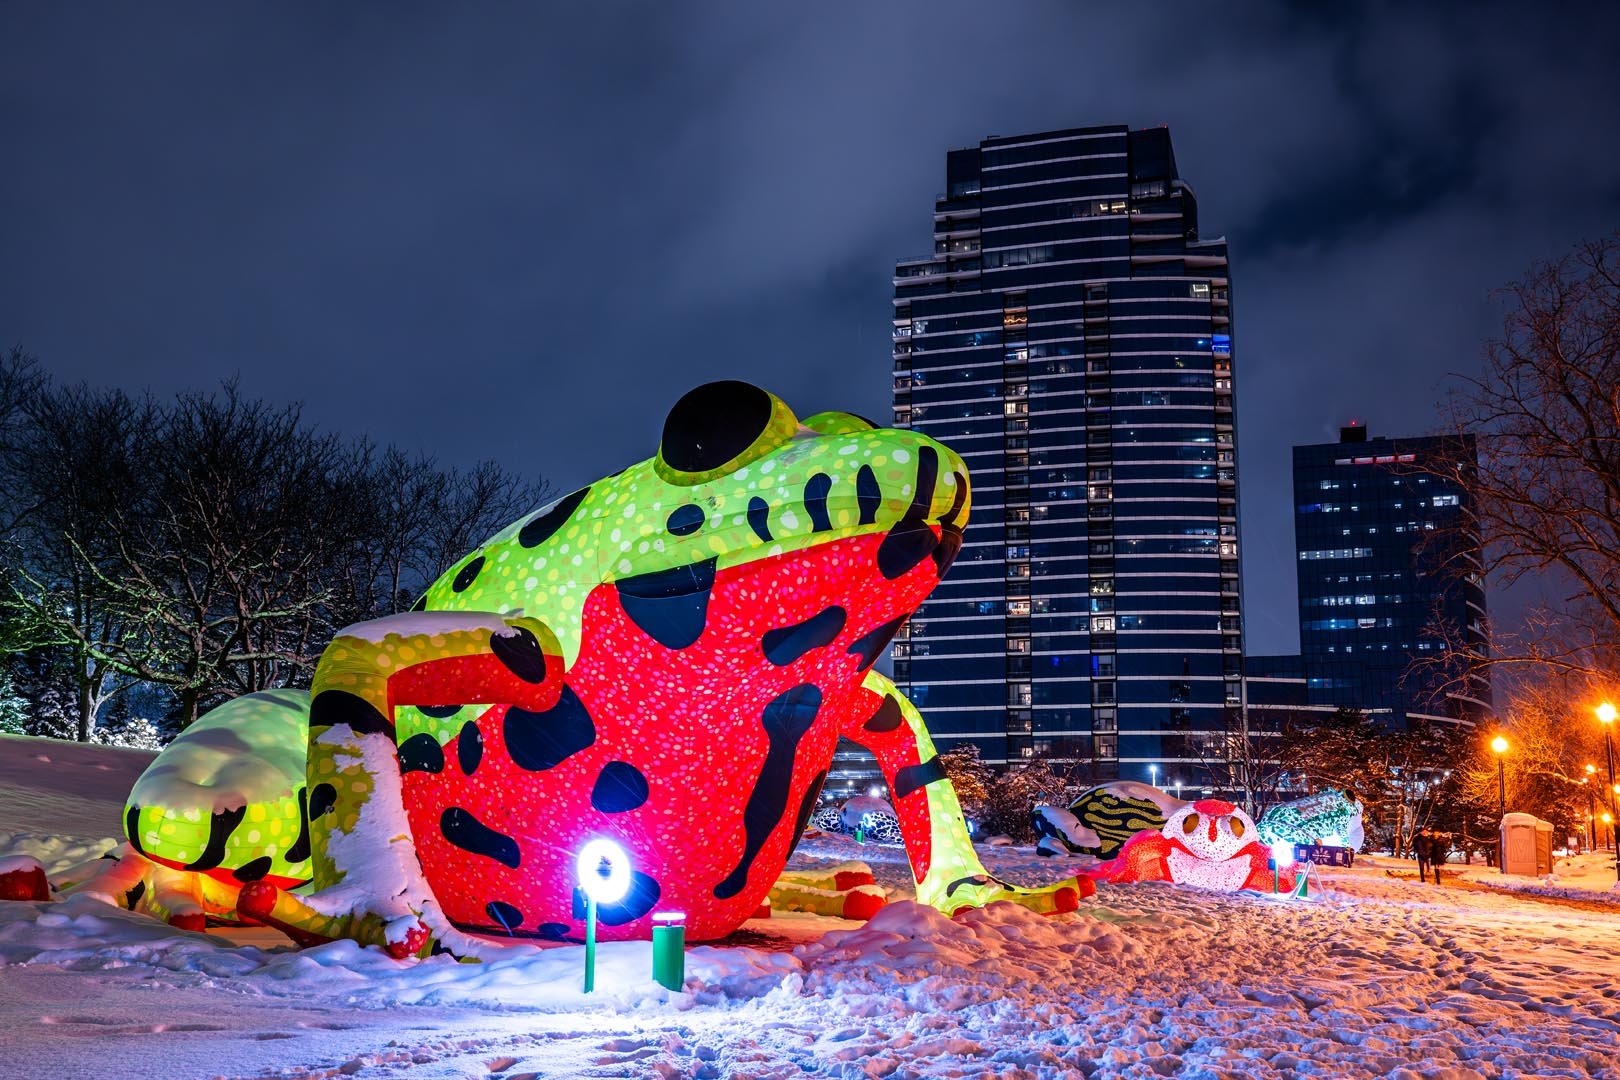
{"x":1420,"y":848}
{"x":1438,"y":850}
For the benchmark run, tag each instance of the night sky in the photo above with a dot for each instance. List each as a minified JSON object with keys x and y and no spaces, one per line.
{"x":521,"y":232}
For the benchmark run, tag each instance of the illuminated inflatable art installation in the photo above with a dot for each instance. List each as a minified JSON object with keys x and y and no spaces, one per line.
{"x":665,"y":658}
{"x":1328,"y":817}
{"x":1118,"y":810}
{"x":1208,"y":843}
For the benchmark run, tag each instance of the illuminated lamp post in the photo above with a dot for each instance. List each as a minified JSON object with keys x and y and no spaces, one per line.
{"x":1153,"y":775}
{"x":604,"y":876}
{"x":1591,"y":808}
{"x":1500,"y":745}
{"x":1282,"y":856}
{"x":1606,"y":713}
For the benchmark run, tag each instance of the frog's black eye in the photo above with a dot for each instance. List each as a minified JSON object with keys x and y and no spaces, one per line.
{"x":719,"y":427}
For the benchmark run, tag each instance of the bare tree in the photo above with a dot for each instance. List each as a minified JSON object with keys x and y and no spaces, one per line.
{"x":422,"y":518}
{"x":1550,"y":743}
{"x":213,"y":546}
{"x":72,"y":470}
{"x":1244,"y":756}
{"x":1398,"y":774}
{"x":1546,"y":491}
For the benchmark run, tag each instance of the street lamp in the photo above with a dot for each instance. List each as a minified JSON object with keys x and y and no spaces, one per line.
{"x":1153,"y":775}
{"x":1591,"y":809}
{"x":1500,"y":745}
{"x":1606,"y":713}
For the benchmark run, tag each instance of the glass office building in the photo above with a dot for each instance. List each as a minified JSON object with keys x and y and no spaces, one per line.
{"x":1071,"y":337}
{"x":1382,"y":555}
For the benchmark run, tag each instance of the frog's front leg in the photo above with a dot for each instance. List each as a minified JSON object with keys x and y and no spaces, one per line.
{"x":947,"y":870}
{"x":368,"y":881}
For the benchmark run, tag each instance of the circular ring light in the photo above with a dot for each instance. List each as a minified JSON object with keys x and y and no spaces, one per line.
{"x":604,"y":870}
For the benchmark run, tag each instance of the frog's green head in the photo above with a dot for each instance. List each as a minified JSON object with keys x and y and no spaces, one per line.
{"x":737,"y":478}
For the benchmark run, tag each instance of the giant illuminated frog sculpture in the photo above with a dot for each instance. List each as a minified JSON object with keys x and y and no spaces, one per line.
{"x":666,"y":658}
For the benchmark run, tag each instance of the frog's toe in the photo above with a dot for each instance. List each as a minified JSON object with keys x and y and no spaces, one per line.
{"x":172,"y":895}
{"x":1054,"y":899}
{"x":406,"y":938}
{"x":24,"y":880}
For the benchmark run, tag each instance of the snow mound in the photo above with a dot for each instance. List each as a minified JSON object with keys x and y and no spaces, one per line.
{"x":56,"y":853}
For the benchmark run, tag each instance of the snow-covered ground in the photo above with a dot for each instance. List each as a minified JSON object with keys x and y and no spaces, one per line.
{"x":1588,"y":876}
{"x":1381,"y":977}
{"x":73,"y":789}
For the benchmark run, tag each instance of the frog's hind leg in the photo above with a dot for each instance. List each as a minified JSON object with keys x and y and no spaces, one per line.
{"x":948,"y":872}
{"x":307,"y":926}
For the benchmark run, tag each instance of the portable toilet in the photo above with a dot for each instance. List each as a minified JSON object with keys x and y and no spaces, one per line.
{"x":1544,"y":847}
{"x":1526,"y":845}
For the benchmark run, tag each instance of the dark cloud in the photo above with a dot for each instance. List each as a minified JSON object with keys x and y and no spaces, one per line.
{"x":521,"y":232}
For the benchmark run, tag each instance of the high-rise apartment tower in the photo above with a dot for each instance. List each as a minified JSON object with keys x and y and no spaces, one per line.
{"x":1070,"y":337}
{"x":1387,"y":573}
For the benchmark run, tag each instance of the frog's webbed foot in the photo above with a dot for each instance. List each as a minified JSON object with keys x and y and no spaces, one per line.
{"x":127,"y":879}
{"x":847,"y":891}
{"x":121,"y":879}
{"x":400,"y":926}
{"x":977,"y":890}
{"x":944,"y":863}
{"x":400,"y":934}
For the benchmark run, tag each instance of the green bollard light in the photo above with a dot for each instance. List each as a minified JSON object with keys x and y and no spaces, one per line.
{"x":669,"y":949}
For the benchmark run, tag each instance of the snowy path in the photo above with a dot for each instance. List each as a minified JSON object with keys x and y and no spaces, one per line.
{"x":1385,"y":978}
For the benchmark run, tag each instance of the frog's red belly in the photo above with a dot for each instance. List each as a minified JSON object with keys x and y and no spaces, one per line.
{"x":700,"y":760}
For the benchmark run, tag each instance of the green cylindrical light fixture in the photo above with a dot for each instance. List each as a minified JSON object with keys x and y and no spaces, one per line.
{"x":669,"y":949}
